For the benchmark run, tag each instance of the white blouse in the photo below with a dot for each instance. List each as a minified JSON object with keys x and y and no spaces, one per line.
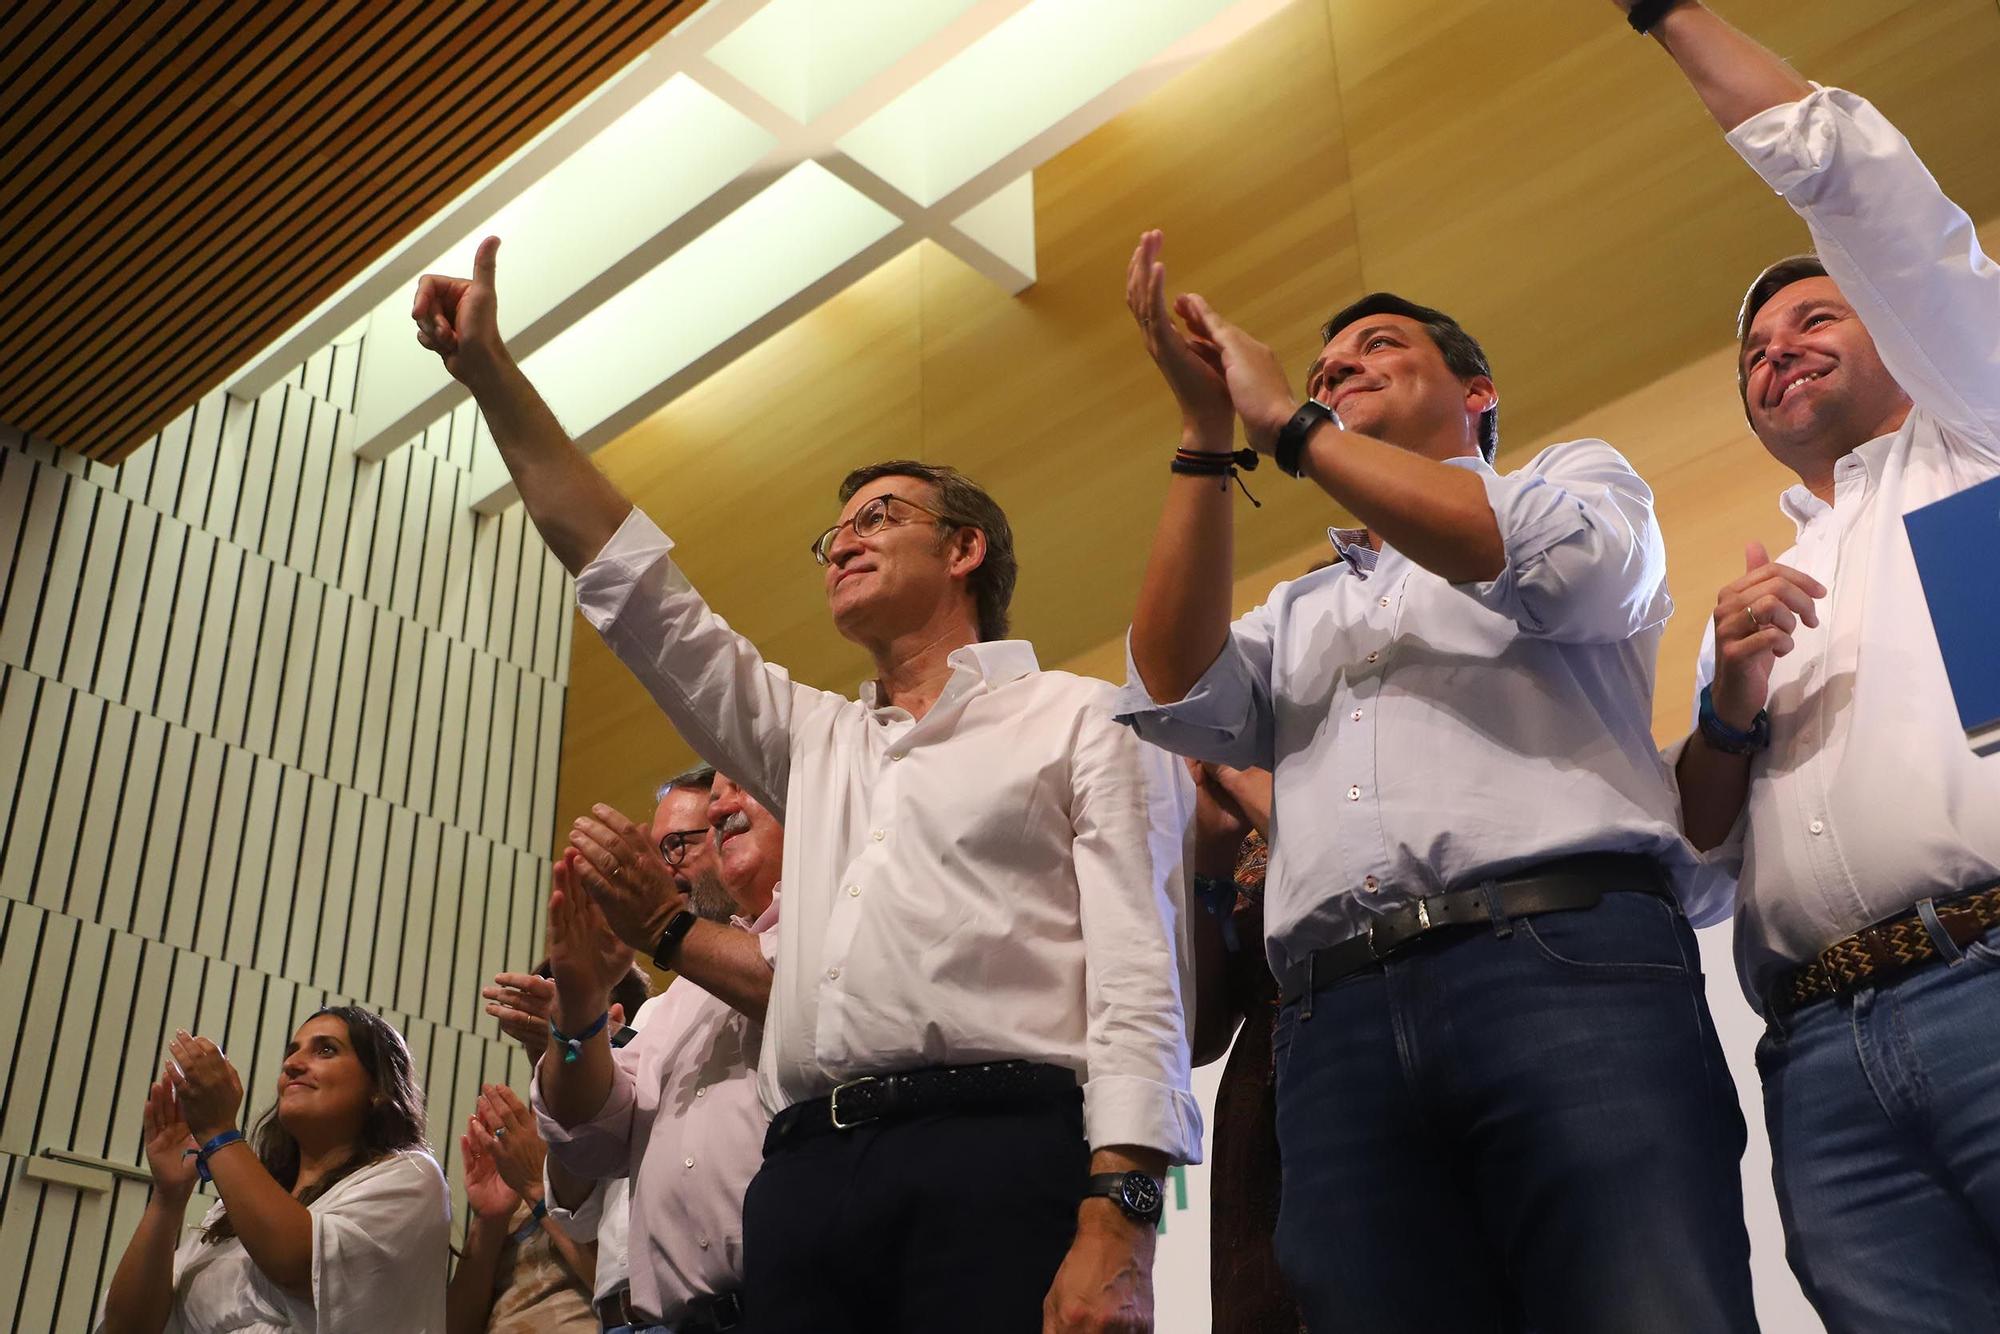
{"x":379,"y":1241}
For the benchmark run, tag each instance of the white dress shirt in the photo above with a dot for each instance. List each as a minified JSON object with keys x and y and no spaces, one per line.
{"x":379,"y":1241}
{"x":1869,"y":797}
{"x":999,"y":880}
{"x":685,"y":1127}
{"x":1424,"y":735}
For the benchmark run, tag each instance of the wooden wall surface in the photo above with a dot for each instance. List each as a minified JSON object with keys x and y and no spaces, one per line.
{"x":1530,"y":165}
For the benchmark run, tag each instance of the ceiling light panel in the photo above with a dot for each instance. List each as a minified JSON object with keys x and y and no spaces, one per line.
{"x":807,"y":56}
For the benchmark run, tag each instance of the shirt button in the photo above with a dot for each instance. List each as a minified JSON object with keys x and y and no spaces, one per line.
{"x":1371,"y":884}
{"x":689,"y":1163}
{"x":895,"y":754}
{"x":1354,"y":794}
{"x":854,"y":891}
{"x":878,"y":835}
{"x":1385,"y":602}
{"x":702,"y":1242}
{"x":833,"y":975}
{"x":1357,"y":715}
{"x":701,"y":1091}
{"x":1817,"y":826}
{"x":1374,"y":656}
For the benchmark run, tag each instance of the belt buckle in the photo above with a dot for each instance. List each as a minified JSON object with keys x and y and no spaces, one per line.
{"x":833,"y":1104}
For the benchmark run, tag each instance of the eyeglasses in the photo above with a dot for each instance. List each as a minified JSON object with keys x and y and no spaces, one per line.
{"x":867,"y":521}
{"x":674,"y":843}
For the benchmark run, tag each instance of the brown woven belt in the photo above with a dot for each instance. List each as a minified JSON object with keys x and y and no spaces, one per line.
{"x":1885,"y":951}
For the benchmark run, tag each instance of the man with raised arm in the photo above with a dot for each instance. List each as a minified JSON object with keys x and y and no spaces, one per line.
{"x":1827,"y":768}
{"x":1501,"y":1101}
{"x":974,"y":1045}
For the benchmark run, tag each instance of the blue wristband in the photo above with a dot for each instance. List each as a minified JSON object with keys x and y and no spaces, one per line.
{"x":1726,"y":738}
{"x":202,"y":1155}
{"x":573,"y":1046}
{"x":1219,"y":898}
{"x":534,"y":1220}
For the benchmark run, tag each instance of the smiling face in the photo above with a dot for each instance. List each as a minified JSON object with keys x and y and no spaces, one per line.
{"x":1814,"y":385}
{"x":324,"y":1091}
{"x":896,"y":579}
{"x":1387,"y":378}
{"x":750,"y":846}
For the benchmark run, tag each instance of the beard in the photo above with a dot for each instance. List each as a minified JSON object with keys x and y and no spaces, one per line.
{"x":709,"y":899}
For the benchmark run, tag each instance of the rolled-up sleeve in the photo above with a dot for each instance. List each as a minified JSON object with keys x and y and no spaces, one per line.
{"x":1130,"y":809}
{"x":1903,"y":254}
{"x":1585,"y":562}
{"x":602,"y":1146}
{"x":1227,"y":717}
{"x":734,"y":708}
{"x":580,"y":1223}
{"x":1723,"y":863}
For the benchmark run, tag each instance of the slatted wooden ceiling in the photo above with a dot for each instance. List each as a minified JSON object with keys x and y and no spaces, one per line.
{"x":182,"y":180}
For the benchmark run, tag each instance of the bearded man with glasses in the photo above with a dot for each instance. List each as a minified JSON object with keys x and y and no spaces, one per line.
{"x":974,"y":1045}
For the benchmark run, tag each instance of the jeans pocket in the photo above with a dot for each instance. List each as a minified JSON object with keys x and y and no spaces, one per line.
{"x":1627,"y":934}
{"x":1986,"y":949}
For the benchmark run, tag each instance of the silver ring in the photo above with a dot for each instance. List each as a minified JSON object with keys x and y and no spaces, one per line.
{"x":499,"y":1132}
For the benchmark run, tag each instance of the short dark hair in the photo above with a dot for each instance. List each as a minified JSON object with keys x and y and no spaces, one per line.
{"x":701,"y":776}
{"x":1773,"y":280}
{"x":1462,"y":353}
{"x":965,"y":505}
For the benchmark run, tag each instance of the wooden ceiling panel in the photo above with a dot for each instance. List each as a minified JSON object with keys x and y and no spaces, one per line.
{"x":182,"y":181}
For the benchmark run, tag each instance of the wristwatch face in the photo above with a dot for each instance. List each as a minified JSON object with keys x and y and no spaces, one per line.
{"x":1141,"y":1195}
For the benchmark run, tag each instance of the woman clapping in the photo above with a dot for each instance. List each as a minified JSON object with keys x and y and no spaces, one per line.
{"x":333,"y":1217}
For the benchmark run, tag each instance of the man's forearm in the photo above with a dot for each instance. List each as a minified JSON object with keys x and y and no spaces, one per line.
{"x":573,"y":505}
{"x":574,"y":1092}
{"x":1434,"y":513}
{"x":1735,"y":76}
{"x":728,"y":963}
{"x":1713,"y":788}
{"x":1182,"y":620}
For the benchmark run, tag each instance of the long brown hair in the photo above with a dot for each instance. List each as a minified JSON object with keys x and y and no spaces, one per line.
{"x":395,"y":1119}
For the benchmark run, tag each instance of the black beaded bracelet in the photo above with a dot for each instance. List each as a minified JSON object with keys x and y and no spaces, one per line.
{"x":1207,"y":463}
{"x":1646,"y":14}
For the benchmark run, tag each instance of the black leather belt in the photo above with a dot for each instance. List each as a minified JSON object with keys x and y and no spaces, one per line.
{"x":703,"y":1315}
{"x":996,"y":1086}
{"x":1556,"y":886}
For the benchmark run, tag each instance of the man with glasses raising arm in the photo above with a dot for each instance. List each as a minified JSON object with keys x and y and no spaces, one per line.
{"x":974,"y":1045}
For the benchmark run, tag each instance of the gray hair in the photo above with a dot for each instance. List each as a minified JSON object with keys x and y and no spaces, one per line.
{"x":702,"y":776}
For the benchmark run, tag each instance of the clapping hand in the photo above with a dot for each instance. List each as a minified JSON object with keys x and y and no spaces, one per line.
{"x":586,"y":958}
{"x":1192,"y":365}
{"x":486,"y":1191}
{"x":524,"y":1004}
{"x":511,"y":1139}
{"x":621,"y":867}
{"x":170,"y":1146}
{"x":205,"y":1085}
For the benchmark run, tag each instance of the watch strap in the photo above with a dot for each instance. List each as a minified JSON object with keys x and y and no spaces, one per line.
{"x":678,"y":926}
{"x":1121,"y":1188}
{"x":1730,"y":740}
{"x":1289,"y":451}
{"x":1645,"y":15}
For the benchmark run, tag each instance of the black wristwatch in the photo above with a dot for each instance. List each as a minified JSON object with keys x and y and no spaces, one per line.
{"x":1136,"y":1194}
{"x":678,"y":926}
{"x":1646,"y":14}
{"x":1289,"y":451}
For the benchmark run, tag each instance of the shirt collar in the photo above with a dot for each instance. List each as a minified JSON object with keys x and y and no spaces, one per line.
{"x":995,"y":662}
{"x":1859,"y":466}
{"x":766,"y":919}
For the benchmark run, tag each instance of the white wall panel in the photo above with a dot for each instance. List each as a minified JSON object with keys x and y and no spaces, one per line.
{"x":276,"y":726}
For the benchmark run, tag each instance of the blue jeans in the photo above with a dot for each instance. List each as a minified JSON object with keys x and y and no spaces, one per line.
{"x":1884,"y":1113}
{"x":1528,"y":1127}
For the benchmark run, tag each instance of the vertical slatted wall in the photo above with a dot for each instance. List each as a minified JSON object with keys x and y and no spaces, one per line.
{"x":278,"y":728}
